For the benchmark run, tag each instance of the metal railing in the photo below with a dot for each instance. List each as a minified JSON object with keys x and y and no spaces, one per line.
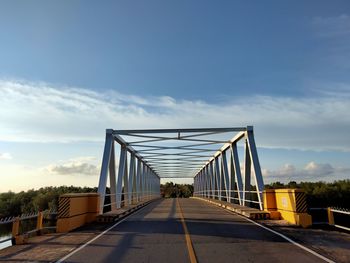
{"x":124,"y":201}
{"x":223,"y":170}
{"x":16,"y":223}
{"x":332,"y":216}
{"x":337,"y":217}
{"x":233,"y":196}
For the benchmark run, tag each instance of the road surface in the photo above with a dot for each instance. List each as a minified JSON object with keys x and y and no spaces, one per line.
{"x":188,"y":230}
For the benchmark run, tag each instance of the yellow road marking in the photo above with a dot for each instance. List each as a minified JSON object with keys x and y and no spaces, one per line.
{"x":190,"y":249}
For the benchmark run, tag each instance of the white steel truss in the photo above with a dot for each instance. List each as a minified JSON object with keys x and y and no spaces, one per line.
{"x":148,"y":155}
{"x":221,"y":178}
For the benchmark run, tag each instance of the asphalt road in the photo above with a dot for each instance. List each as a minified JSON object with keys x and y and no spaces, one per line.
{"x":157,"y":234}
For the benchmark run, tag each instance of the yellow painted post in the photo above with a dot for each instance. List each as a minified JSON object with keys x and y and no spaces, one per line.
{"x":330,"y":216}
{"x":15,"y":227}
{"x":39,"y":223}
{"x":17,"y":239}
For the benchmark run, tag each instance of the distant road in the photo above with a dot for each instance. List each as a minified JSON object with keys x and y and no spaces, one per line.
{"x":189,"y":230}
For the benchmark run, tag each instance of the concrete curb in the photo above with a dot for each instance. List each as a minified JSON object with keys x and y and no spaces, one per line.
{"x":248,"y":212}
{"x":117,"y":215}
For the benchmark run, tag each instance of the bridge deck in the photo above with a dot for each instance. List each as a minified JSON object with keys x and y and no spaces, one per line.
{"x":156,"y":234}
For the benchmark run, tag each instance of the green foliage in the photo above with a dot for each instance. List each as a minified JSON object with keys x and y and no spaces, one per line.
{"x":171,"y":190}
{"x":13,"y":204}
{"x":321,"y":194}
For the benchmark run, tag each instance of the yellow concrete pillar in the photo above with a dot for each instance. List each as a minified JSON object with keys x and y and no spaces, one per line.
{"x":269,"y":200}
{"x":291,"y":203}
{"x":76,"y":210}
{"x":270,"y":205}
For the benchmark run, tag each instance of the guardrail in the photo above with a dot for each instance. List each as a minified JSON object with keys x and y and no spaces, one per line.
{"x":336,"y":217}
{"x":332,"y":216}
{"x":128,"y":198}
{"x":233,"y":196}
{"x":18,"y":234}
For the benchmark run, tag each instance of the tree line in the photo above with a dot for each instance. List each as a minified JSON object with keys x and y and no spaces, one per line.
{"x":319,"y":194}
{"x":14,"y":204}
{"x":171,"y":190}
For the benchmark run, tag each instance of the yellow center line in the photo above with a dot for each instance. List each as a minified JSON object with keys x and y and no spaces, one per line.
{"x":190,"y":249}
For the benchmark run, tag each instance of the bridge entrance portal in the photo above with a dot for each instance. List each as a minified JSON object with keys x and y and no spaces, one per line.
{"x":146,"y":156}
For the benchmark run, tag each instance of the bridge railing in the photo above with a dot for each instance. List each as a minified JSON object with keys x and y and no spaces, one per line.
{"x":233,"y":196}
{"x":332,"y":216}
{"x":124,"y":202}
{"x":339,"y":218}
{"x":21,"y":225}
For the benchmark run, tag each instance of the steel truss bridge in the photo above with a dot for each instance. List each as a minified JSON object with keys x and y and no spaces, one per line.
{"x":207,"y":155}
{"x":146,"y":228}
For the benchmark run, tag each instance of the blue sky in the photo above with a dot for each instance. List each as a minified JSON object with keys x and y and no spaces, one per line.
{"x":71,"y":69}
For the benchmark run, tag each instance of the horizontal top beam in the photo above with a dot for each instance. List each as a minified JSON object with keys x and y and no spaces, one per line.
{"x":230,"y":129}
{"x":179,"y":158}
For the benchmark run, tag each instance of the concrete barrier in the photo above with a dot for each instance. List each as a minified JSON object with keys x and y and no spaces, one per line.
{"x":288,"y":204}
{"x":75,"y":210}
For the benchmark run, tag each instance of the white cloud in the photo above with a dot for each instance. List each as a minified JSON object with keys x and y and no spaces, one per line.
{"x":311,"y":171}
{"x":5,"y":156}
{"x":44,"y":113}
{"x":76,"y":166}
{"x":322,"y":170}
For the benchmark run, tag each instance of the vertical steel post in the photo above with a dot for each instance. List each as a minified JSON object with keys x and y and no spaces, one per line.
{"x":247,"y":174}
{"x":126,"y":182}
{"x":112,"y":179}
{"x":144,"y":188}
{"x":131,"y":179}
{"x":218,"y":178}
{"x":146,"y":182}
{"x":237,"y":171}
{"x":138,"y":180}
{"x":213,"y":180}
{"x":104,"y":169}
{"x":207,"y":179}
{"x":152,"y":184}
{"x":198,"y":186}
{"x":222,"y":181}
{"x":256,"y":166}
{"x":194,"y":185}
{"x":121,"y":172}
{"x":226,"y":176}
{"x":232,"y":178}
{"x":202,"y":182}
{"x":199,"y":183}
{"x":210,"y":181}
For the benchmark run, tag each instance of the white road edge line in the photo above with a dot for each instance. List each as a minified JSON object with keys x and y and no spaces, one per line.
{"x":98,"y":236}
{"x":284,"y":237}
